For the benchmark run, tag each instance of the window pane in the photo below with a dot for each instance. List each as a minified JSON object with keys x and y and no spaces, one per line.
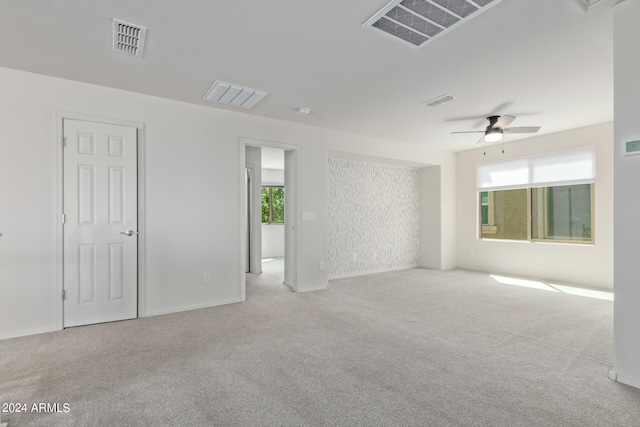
{"x":506,"y":215}
{"x":277,"y":205}
{"x":484,"y":208}
{"x":265,"y":205}
{"x":562,"y":213}
{"x":485,"y":214}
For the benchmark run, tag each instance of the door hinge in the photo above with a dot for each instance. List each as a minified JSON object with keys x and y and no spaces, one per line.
{"x":62,"y":218}
{"x":64,"y":294}
{"x":63,"y":142}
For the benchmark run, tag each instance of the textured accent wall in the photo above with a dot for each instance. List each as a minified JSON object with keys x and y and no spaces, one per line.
{"x":372,"y":218}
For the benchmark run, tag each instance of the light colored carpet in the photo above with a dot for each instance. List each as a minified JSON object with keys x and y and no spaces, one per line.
{"x":409,"y":348}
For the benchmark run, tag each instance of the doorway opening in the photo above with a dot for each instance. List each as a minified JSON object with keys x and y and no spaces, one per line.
{"x":269,"y":236}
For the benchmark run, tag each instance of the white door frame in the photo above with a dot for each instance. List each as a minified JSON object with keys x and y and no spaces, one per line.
{"x":245,"y":142}
{"x":252,"y":248}
{"x":59,"y":117}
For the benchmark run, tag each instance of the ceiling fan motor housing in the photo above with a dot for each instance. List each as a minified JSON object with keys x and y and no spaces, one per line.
{"x":492,"y":121}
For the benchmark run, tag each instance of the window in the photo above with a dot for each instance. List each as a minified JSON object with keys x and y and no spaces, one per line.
{"x":484,"y":208}
{"x":272,"y":205}
{"x":542,"y":198}
{"x":509,"y":215}
{"x":560,"y":214}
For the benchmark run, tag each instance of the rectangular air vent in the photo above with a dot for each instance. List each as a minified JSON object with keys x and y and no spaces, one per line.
{"x":439,"y":100}
{"x":234,"y":95}
{"x":128,"y":38}
{"x":418,"y":21}
{"x":589,"y":4}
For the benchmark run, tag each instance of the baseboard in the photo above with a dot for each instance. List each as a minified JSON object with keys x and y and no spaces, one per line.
{"x":190,"y":307}
{"x":633,"y":382}
{"x":27,"y":333}
{"x":376,"y":271}
{"x":315,"y":288}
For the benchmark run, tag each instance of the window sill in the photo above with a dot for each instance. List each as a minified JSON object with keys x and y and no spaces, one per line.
{"x":489,"y":229}
{"x":543,"y":242}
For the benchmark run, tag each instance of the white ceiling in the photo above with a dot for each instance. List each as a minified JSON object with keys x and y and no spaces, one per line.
{"x":549,"y":62}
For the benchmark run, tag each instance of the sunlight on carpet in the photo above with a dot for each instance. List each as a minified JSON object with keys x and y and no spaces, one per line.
{"x":551,"y":287}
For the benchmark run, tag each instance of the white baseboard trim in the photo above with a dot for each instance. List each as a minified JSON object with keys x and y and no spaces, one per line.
{"x":28,"y":332}
{"x":190,"y":307}
{"x":376,"y":271}
{"x":633,"y":382}
{"x":322,"y":287}
{"x":301,"y":290}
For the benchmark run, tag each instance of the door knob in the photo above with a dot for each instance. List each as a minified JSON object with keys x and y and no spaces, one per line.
{"x":129,"y":232}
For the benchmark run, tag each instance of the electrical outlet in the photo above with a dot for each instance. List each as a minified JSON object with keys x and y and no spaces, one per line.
{"x":206,"y":278}
{"x":355,"y":256}
{"x":321,"y":265}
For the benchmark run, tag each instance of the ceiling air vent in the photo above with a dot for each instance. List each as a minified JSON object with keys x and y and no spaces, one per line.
{"x":589,"y":4}
{"x":128,"y":38}
{"x":234,"y":95}
{"x":439,"y":100}
{"x":418,"y":21}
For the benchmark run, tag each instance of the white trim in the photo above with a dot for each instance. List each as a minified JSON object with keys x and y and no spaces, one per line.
{"x":192,"y":307}
{"x":376,"y":271}
{"x":25,"y":333}
{"x":633,"y":382}
{"x":59,"y":117}
{"x":322,"y":287}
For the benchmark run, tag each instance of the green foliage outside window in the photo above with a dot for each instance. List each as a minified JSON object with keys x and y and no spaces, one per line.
{"x":272,"y":205}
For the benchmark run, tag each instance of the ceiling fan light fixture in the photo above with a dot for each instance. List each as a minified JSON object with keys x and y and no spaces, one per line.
{"x":493,"y":135}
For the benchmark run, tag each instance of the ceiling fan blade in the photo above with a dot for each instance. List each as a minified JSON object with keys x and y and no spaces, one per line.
{"x":504,"y":121}
{"x":524,"y":129}
{"x":470,"y":131}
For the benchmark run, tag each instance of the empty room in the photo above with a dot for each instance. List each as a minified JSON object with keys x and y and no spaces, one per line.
{"x":387,"y":213}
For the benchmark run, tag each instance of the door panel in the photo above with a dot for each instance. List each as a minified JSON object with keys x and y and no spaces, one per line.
{"x":290,"y":220}
{"x":100,"y":204}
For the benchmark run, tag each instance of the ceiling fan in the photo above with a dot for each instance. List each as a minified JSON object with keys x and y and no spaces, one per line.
{"x":498,"y":126}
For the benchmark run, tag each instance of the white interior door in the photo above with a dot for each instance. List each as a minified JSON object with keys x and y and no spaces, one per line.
{"x":100,"y":222}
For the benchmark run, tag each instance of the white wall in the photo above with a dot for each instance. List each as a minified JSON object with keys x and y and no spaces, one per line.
{"x":272,"y":240}
{"x":586,"y":265}
{"x":190,"y":151}
{"x":373,"y":217}
{"x":438,"y":215}
{"x":627,"y":195}
{"x":430,"y":252}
